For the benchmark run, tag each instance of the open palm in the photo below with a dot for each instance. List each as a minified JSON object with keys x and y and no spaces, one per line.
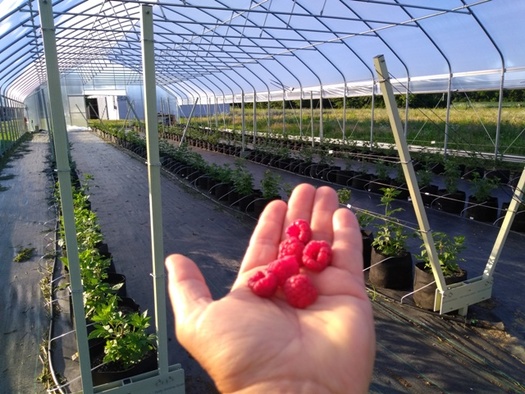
{"x":253,"y":344}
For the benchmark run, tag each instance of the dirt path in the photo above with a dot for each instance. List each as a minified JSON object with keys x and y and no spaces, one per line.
{"x":193,"y":226}
{"x":26,"y":221}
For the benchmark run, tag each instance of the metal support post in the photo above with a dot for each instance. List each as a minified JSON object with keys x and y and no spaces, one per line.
{"x":312,"y":116}
{"x":152,"y":141}
{"x":60,"y":141}
{"x":243,"y":123}
{"x":408,"y":170}
{"x":517,"y":198}
{"x":188,"y":122}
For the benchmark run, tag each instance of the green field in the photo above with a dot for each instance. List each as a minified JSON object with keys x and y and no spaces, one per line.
{"x":470,"y":128}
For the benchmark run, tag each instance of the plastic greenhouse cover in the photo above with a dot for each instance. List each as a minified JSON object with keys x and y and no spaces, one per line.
{"x":271,"y":49}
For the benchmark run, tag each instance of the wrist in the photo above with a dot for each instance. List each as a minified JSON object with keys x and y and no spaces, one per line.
{"x":285,"y":387}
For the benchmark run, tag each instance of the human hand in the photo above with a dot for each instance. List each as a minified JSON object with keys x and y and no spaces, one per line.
{"x":260,"y":345}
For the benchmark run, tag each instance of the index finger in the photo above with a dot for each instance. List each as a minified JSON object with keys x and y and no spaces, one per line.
{"x":264,"y":243}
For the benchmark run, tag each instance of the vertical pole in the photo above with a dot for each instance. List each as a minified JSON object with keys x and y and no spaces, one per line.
{"x":152,"y":140}
{"x":254,"y":131}
{"x":243,"y":123}
{"x":321,"y":115}
{"x":301,"y":113}
{"x":372,"y":114}
{"x":66,"y":197}
{"x":312,"y":115}
{"x":216,"y":110}
{"x":447,"y":120}
{"x":284,"y":111}
{"x":344,"y":114}
{"x":498,"y":123}
{"x":169,"y":111}
{"x":269,"y":121}
{"x":3,"y":139}
{"x":408,"y":169}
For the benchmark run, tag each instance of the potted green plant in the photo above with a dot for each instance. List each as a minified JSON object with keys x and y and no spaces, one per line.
{"x":343,"y":195}
{"x":306,"y":155}
{"x":242,"y":179}
{"x":482,"y":205}
{"x":448,"y":250}
{"x":222,"y":179}
{"x":270,"y":185}
{"x":361,"y":178}
{"x":323,"y":163}
{"x":400,"y":184}
{"x":365,"y":219}
{"x":429,"y":192}
{"x":391,"y":263}
{"x":452,"y":199}
{"x":125,"y":348}
{"x":381,"y":178}
{"x":243,"y":194}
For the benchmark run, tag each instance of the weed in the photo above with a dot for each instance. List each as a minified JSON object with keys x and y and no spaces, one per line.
{"x":24,"y":254}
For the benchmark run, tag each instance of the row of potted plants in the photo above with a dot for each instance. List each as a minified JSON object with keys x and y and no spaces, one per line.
{"x":278,"y":147}
{"x":233,"y":185}
{"x":390,"y":263}
{"x":120,"y":345}
{"x":298,"y":155}
{"x":317,"y":162}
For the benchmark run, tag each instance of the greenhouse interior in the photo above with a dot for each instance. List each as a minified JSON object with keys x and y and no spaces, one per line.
{"x":131,"y":130}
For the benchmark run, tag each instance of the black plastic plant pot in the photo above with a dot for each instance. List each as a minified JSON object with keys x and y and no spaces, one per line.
{"x":233,"y":198}
{"x":361,"y":181}
{"x":518,"y":224}
{"x":316,"y":170}
{"x":392,"y":272}
{"x":483,"y":212}
{"x":451,"y":202}
{"x":344,"y":177}
{"x":221,"y":191}
{"x":424,"y":291}
{"x":429,"y":194}
{"x":330,"y":174}
{"x":368,"y":238}
{"x":376,"y":185}
{"x":246,"y":203}
{"x":202,"y":182}
{"x":112,"y":372}
{"x":260,"y":203}
{"x":115,"y":279}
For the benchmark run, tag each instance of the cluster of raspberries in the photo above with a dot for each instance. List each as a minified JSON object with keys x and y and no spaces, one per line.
{"x":297,"y":253}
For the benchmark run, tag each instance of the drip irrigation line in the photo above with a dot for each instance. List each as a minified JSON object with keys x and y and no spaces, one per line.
{"x":51,"y":301}
{"x":409,"y":225}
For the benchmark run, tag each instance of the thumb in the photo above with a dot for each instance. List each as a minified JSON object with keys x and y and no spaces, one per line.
{"x":188,"y":291}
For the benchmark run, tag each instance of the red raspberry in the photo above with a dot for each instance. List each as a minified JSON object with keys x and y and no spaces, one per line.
{"x":263,"y":283}
{"x":299,"y":291}
{"x":317,"y":255}
{"x":291,"y":247}
{"x":283,"y":268}
{"x":300,"y":229}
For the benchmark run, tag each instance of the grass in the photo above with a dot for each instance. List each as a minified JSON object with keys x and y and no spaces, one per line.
{"x":471,"y":128}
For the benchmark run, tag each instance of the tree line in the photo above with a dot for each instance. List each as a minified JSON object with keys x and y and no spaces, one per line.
{"x":429,"y":100}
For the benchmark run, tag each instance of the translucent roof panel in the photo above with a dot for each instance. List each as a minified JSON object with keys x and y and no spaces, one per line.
{"x":271,"y":48}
